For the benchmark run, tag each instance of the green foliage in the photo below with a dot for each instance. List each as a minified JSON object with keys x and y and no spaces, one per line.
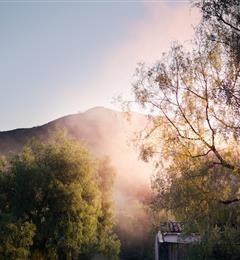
{"x":16,"y":238}
{"x":192,"y":99}
{"x":196,"y":198}
{"x":54,"y":189}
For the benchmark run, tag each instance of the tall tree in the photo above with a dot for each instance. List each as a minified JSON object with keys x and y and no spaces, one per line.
{"x":194,"y":137}
{"x":184,"y":91}
{"x":55,"y":187}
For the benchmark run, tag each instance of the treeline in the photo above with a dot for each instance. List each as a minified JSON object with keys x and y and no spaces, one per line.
{"x":56,"y":203}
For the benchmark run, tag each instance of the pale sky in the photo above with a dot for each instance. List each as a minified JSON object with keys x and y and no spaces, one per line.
{"x":61,"y":57}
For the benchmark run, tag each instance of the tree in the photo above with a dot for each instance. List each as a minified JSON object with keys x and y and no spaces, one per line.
{"x":221,"y":23}
{"x":16,"y":235}
{"x":54,"y":186}
{"x":16,"y":238}
{"x":192,"y":100}
{"x":193,"y":197}
{"x":184,"y":90}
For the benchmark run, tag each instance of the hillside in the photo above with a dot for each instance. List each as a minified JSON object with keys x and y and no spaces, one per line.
{"x":106,"y":133}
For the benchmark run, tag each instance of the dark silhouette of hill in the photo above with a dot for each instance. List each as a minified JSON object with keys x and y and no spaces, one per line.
{"x":106,"y":133}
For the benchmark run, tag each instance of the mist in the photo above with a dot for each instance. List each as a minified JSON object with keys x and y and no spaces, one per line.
{"x":106,"y":133}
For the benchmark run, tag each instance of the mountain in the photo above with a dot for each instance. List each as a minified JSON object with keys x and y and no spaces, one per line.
{"x":106,"y":133}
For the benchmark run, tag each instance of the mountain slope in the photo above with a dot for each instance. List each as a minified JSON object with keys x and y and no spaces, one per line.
{"x":106,"y":133}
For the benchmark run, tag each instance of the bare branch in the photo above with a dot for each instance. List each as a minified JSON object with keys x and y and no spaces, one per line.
{"x":228,"y":202}
{"x":201,"y":155}
{"x":220,"y":17}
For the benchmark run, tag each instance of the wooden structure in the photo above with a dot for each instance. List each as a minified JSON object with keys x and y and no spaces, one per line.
{"x":171,"y":243}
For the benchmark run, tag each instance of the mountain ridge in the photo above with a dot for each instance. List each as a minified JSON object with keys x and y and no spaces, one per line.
{"x":105,"y":132}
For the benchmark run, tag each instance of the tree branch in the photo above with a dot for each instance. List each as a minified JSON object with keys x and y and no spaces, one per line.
{"x":228,"y":202}
{"x":220,"y":17}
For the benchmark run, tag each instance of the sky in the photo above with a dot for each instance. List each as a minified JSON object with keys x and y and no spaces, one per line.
{"x":59,"y":57}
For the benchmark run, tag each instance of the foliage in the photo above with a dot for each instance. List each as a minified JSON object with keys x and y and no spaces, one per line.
{"x":184,"y":91}
{"x":192,"y":100}
{"x":221,"y":23}
{"x":53,"y":188}
{"x":16,"y":238}
{"x":196,"y":198}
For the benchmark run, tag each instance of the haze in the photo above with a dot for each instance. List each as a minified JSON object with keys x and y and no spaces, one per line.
{"x":61,"y":57}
